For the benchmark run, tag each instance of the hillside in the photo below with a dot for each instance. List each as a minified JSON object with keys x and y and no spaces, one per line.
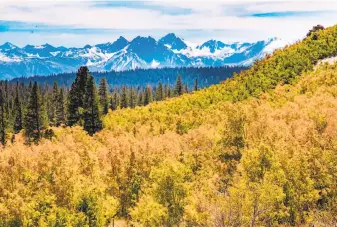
{"x":257,"y":150}
{"x":141,"y":52}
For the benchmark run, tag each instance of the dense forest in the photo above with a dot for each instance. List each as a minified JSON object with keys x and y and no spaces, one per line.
{"x":206,"y":76}
{"x":259,"y":149}
{"x":34,"y":108}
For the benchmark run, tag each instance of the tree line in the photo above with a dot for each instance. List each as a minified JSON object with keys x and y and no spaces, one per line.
{"x":206,"y":76}
{"x":35,"y":108}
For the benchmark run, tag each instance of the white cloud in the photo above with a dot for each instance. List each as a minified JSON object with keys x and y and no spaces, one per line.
{"x":206,"y":16}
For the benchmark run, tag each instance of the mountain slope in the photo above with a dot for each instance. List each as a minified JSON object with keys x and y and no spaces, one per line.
{"x":256,"y":150}
{"x":141,"y":52}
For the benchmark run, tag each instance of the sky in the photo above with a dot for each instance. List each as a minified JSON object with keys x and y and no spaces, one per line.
{"x":77,"y":23}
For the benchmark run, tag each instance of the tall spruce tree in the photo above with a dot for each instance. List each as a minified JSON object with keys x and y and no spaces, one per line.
{"x":159,"y":92}
{"x":140,"y":98}
{"x":168,"y":91}
{"x":54,"y":99}
{"x":148,"y":95}
{"x":17,"y":127}
{"x":92,"y":121}
{"x":60,"y":109}
{"x":2,"y":117}
{"x":103,"y":95}
{"x":195,"y":84}
{"x":114,"y":101}
{"x":76,"y":96}
{"x":35,"y":118}
{"x":186,"y":88}
{"x":132,"y":97}
{"x":178,"y":89}
{"x":124,"y":98}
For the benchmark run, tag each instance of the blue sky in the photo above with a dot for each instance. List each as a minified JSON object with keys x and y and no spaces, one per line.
{"x":77,"y":23}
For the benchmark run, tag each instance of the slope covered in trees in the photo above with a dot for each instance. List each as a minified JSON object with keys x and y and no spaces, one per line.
{"x":206,"y":76}
{"x":257,"y":150}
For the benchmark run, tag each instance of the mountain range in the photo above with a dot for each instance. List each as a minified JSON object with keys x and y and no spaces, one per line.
{"x":141,"y":52}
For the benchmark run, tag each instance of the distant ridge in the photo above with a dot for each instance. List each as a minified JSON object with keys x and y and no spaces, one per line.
{"x":122,"y":54}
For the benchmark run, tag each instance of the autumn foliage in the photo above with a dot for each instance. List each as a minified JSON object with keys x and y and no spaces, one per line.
{"x":258,"y":150}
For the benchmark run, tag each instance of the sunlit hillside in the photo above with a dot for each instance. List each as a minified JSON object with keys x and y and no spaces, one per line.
{"x":257,"y":150}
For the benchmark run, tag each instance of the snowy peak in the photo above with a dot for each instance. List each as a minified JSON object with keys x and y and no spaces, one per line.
{"x":213,"y":45}
{"x":173,"y":42}
{"x":7,"y":46}
{"x":118,"y":45}
{"x":141,"y":52}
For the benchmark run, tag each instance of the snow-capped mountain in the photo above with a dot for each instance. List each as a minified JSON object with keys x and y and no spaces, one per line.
{"x":141,"y":52}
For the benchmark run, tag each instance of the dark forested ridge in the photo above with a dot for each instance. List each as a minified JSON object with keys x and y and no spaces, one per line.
{"x":206,"y":76}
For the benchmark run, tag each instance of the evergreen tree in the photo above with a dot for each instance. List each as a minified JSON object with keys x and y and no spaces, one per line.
{"x":178,"y":89}
{"x":92,"y":121}
{"x":76,"y":96}
{"x":195,"y":84}
{"x":103,"y":95}
{"x":17,"y":111}
{"x":132,"y":98}
{"x":124,"y":98}
{"x":159,"y":92}
{"x":148,"y":95}
{"x":35,"y":118}
{"x":140,"y":98}
{"x":2,"y":118}
{"x":168,"y":91}
{"x":54,"y":99}
{"x":186,"y":88}
{"x":114,"y":101}
{"x":60,"y":109}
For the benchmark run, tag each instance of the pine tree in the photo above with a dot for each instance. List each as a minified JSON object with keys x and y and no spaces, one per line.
{"x":35,"y":118}
{"x":159,"y":92}
{"x":140,"y":98}
{"x":186,"y":88}
{"x":167,"y":91}
{"x":2,"y":118}
{"x":17,"y":111}
{"x":114,"y":103}
{"x":124,"y":98}
{"x":148,"y":95}
{"x":103,"y":95}
{"x":132,"y":98}
{"x":60,"y":109}
{"x":92,"y":121}
{"x":54,"y":99}
{"x":178,"y":89}
{"x":196,"y":85}
{"x":76,"y":96}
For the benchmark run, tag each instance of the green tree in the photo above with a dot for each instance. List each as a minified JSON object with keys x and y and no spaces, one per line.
{"x":35,"y":118}
{"x":17,"y":111}
{"x":124,"y":98}
{"x":60,"y":109}
{"x":132,"y":98}
{"x":186,"y":88}
{"x":159,"y":92}
{"x":54,"y":103}
{"x":140,"y":98}
{"x":76,"y":96}
{"x":114,"y":102}
{"x":195,"y":84}
{"x":2,"y":118}
{"x":178,"y":89}
{"x":92,"y":121}
{"x":103,"y":95}
{"x":148,"y":95}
